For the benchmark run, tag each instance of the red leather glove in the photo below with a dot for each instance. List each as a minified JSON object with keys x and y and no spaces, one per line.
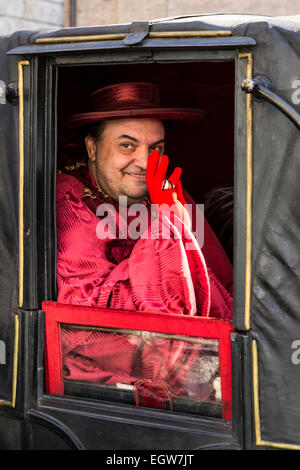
{"x":156,"y":175}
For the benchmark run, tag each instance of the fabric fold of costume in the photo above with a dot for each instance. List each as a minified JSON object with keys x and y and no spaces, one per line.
{"x":152,"y":273}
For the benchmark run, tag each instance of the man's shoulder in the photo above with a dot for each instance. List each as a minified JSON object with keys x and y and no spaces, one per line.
{"x":66,"y":183}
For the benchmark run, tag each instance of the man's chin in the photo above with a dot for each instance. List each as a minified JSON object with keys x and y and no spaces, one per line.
{"x":135,"y":197}
{"x":135,"y":194}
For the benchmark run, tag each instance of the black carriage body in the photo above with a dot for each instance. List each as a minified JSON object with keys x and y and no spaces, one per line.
{"x":44,"y":76}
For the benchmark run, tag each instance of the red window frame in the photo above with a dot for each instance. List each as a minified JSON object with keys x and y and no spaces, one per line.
{"x":56,"y":313}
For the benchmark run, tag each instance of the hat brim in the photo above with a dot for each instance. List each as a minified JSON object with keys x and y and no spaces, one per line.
{"x":184,"y":114}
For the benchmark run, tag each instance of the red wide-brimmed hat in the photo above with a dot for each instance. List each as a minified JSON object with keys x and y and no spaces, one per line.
{"x":134,"y":99}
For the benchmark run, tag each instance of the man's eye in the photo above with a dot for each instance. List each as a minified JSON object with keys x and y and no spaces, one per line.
{"x":127,"y":146}
{"x":158,"y":147}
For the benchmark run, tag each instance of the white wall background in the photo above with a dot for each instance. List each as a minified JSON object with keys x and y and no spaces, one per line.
{"x":53,"y":14}
{"x":93,"y":12}
{"x":18,"y":15}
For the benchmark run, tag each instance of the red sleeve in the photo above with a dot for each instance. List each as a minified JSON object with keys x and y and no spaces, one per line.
{"x":215,"y":256}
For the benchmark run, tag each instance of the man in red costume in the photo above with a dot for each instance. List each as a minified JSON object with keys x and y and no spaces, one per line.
{"x":125,"y":148}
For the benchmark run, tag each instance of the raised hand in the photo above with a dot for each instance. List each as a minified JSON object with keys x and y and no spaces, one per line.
{"x":172,"y":196}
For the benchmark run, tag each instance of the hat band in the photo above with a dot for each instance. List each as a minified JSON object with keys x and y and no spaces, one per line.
{"x":128,"y":95}
{"x":128,"y":104}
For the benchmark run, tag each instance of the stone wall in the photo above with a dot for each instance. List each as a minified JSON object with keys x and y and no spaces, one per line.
{"x":93,"y":12}
{"x":52,"y":14}
{"x":30,"y":15}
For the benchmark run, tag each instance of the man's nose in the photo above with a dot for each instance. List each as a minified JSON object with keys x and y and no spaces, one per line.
{"x":141,"y":157}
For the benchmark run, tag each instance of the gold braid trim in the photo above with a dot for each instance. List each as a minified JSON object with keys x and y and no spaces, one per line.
{"x":106,"y":196}
{"x":75,"y":166}
{"x":88,"y":193}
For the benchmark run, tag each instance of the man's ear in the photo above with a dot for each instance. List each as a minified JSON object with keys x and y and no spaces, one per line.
{"x":91,"y":148}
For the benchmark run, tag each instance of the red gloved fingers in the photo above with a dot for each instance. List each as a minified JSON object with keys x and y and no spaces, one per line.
{"x":161,"y":171}
{"x":152,"y":164}
{"x":174,"y":178}
{"x":153,"y":188}
{"x":157,"y":167}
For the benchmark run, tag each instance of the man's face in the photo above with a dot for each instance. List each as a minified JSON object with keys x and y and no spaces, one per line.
{"x":118,"y":160}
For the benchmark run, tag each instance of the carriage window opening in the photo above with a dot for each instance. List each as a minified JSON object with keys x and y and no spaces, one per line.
{"x":146,"y":369}
{"x":104,"y":153}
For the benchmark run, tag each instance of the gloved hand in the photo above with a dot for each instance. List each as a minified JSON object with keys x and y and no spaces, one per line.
{"x":156,"y":175}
